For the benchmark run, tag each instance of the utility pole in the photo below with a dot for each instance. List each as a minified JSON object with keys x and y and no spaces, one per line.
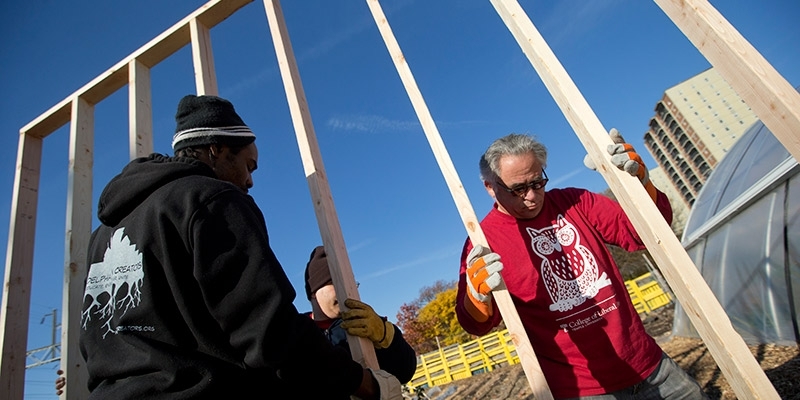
{"x":47,"y":354}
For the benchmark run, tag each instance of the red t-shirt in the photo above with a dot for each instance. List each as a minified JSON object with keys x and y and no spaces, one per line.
{"x":568,"y":292}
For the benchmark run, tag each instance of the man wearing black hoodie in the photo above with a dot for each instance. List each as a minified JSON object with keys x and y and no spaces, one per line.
{"x":184,"y":297}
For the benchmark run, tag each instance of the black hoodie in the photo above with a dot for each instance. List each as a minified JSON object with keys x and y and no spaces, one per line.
{"x":185,"y":299}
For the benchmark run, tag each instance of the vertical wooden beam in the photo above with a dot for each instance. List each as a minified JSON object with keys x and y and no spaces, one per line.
{"x":204,"y":75}
{"x":502,"y":298}
{"x":755,"y":80}
{"x":361,"y":349}
{"x":140,"y":110}
{"x":726,"y":346}
{"x":19,"y":267}
{"x":78,"y":231}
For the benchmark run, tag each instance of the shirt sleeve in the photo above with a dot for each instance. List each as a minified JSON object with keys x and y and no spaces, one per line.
{"x":399,"y":359}
{"x":610,"y":220}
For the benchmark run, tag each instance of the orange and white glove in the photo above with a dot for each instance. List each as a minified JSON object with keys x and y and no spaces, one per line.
{"x":483,"y":276}
{"x":361,"y":320}
{"x":624,"y":157}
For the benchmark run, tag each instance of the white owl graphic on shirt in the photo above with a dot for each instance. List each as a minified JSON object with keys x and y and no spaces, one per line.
{"x":569,"y":270}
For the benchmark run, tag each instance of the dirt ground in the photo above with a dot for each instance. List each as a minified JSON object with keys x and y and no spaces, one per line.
{"x":780,"y":363}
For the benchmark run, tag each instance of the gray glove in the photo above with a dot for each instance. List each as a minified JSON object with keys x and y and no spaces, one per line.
{"x":616,"y":138}
{"x":389,"y":386}
{"x":624,"y":157}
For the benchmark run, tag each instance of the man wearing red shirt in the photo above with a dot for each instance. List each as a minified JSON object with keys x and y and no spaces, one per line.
{"x":562,"y":278}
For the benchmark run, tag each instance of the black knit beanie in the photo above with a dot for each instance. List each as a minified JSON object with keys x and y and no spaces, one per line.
{"x":317,"y":272}
{"x":205,"y":120}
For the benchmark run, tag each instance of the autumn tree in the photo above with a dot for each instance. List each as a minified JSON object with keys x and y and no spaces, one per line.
{"x":432,"y":317}
{"x":414,"y":330}
{"x":439,"y":315}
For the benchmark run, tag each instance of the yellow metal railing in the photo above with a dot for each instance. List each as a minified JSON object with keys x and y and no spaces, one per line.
{"x":646,"y":293}
{"x":462,"y":361}
{"x":496,"y":349}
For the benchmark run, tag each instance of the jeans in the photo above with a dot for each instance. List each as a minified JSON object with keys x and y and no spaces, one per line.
{"x":667,"y":382}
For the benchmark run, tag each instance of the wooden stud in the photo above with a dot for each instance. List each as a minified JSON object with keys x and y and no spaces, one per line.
{"x":203,"y":58}
{"x":726,"y":346}
{"x":19,"y":267}
{"x":140,"y":110}
{"x":502,"y":298}
{"x":361,"y":349}
{"x":78,"y":232}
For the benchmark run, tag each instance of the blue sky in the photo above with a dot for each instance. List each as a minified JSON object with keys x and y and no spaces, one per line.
{"x":397,"y":216}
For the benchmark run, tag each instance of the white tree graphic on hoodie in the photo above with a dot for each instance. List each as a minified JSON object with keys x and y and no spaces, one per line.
{"x":122,"y":264}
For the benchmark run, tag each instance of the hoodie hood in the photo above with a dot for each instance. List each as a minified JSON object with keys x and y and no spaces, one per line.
{"x":139,"y":179}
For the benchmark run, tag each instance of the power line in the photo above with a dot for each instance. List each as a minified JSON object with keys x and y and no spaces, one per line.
{"x":47,"y":354}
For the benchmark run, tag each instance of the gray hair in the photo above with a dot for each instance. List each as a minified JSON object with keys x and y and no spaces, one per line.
{"x":512,"y":144}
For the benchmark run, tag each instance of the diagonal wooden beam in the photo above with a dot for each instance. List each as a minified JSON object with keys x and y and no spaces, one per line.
{"x":361,"y":349}
{"x":772,"y":98}
{"x":726,"y":346}
{"x":502,"y":298}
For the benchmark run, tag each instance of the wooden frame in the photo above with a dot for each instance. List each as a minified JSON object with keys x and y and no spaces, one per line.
{"x":775,"y":102}
{"x":78,"y":109}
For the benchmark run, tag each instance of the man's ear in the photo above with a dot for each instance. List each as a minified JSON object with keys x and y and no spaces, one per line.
{"x":489,"y":188}
{"x":214,"y":151}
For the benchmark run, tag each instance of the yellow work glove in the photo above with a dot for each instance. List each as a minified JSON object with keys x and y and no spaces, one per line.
{"x":361,"y":320}
{"x":483,"y":276}
{"x":624,"y":157}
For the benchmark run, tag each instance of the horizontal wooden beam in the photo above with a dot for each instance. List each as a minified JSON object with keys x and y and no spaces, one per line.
{"x":116,"y":77}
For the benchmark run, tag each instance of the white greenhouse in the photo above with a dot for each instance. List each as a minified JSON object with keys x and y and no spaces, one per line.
{"x":743,"y":234}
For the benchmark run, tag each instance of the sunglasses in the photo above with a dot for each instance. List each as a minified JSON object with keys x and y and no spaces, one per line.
{"x":522,"y":190}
